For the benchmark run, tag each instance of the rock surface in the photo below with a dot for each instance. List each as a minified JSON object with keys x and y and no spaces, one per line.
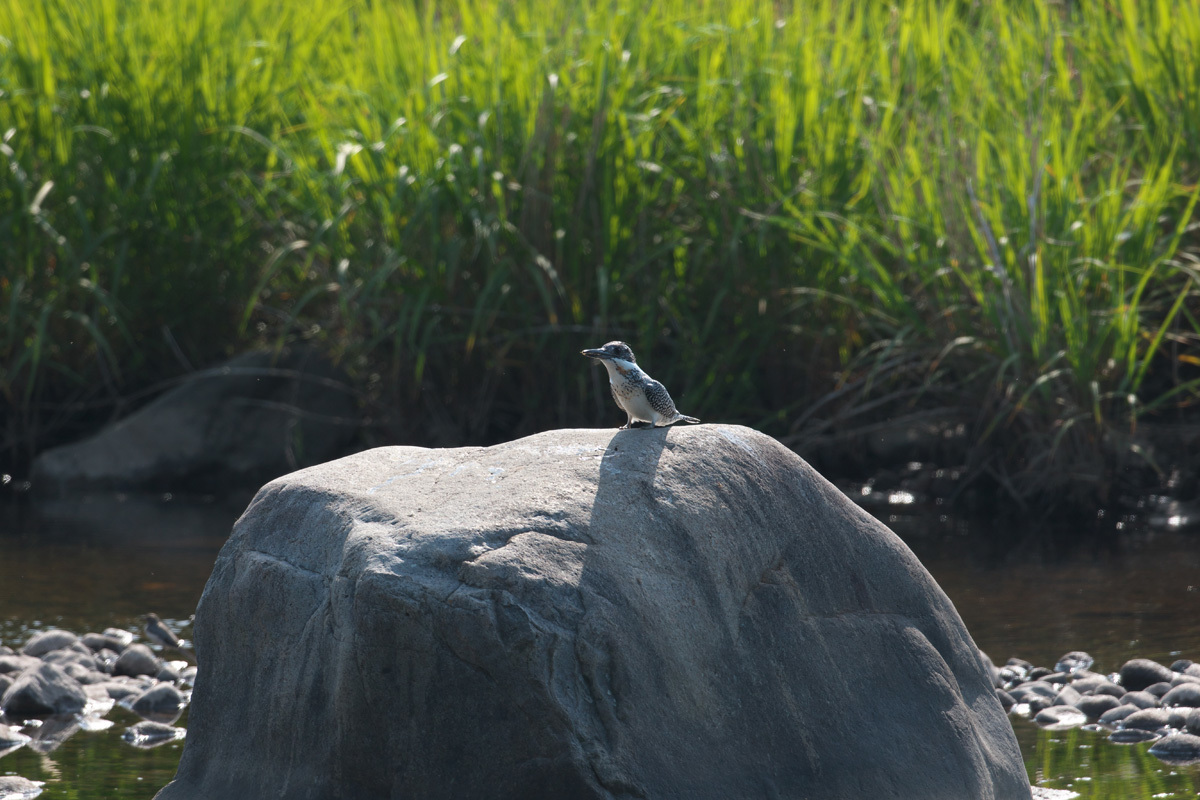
{"x":587,"y":614}
{"x":45,"y":689}
{"x":240,"y":423}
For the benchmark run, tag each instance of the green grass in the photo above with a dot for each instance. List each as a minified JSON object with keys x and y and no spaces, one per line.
{"x":805,"y":217}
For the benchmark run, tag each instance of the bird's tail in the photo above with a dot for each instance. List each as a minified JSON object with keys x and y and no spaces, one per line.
{"x":686,"y":418}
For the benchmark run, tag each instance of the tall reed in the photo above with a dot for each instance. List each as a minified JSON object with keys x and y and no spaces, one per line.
{"x":806,"y":217}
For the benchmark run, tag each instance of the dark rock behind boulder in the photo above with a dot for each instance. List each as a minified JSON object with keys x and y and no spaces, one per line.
{"x":661,"y":613}
{"x":241,"y":423}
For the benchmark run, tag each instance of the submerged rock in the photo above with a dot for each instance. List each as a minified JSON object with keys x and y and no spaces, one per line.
{"x":146,"y":734}
{"x":162,"y":703}
{"x":1181,"y":748}
{"x":1139,"y":673}
{"x":237,"y":424}
{"x":42,"y":643}
{"x":137,"y":659}
{"x":583,"y":614}
{"x":43,"y":690}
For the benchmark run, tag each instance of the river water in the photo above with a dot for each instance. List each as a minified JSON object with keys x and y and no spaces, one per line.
{"x":1025,"y":591}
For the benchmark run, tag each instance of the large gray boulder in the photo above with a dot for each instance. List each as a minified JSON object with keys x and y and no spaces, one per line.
{"x":668,"y":613}
{"x":247,"y":421}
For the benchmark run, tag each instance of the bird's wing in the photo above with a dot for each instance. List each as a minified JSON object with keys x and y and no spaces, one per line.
{"x":659,"y":399}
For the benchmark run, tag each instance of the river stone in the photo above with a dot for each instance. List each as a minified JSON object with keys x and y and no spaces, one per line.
{"x":1148,"y":719}
{"x":1181,"y":748}
{"x":15,"y":664}
{"x":1067,"y":696}
{"x":1140,"y":673}
{"x":137,"y":659}
{"x":1074,"y":661}
{"x":1095,"y":705}
{"x":1060,"y":717}
{"x":1185,"y":694}
{"x":1115,"y":715}
{"x":99,"y":641}
{"x":41,"y":643}
{"x":11,"y":737}
{"x":162,"y":703}
{"x":64,"y":657}
{"x":236,"y":424}
{"x":18,"y":788}
{"x":587,"y":614}
{"x":1139,"y":699}
{"x":44,"y":690}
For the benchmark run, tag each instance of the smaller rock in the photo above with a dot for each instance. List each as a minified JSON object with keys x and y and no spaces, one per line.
{"x":1037,"y":703}
{"x":151,"y":734}
{"x":1191,"y":720}
{"x":1067,"y":697}
{"x":5,"y":650}
{"x":63,"y":656}
{"x":1132,"y":736}
{"x":119,"y":691}
{"x":1006,"y":700}
{"x":162,"y":703}
{"x":121,"y":636}
{"x":1182,"y":748}
{"x":41,"y":691}
{"x":1115,"y":715}
{"x":136,"y":659}
{"x":1035,"y":688}
{"x":1183,"y":677}
{"x":107,"y":659}
{"x":15,"y":664}
{"x":41,"y":643}
{"x":1148,"y":719}
{"x":1074,"y":661}
{"x":5,"y":682}
{"x":1159,"y":689}
{"x":1094,"y":705}
{"x":99,"y":641}
{"x":167,"y":673}
{"x":1185,"y":694}
{"x":14,"y":787}
{"x":1039,"y":672}
{"x":1139,"y":699}
{"x":1181,"y":665}
{"x":1060,"y":718}
{"x":1138,"y":673}
{"x":11,"y":738}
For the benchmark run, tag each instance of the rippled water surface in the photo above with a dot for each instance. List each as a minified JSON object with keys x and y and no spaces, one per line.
{"x":1034,"y":594}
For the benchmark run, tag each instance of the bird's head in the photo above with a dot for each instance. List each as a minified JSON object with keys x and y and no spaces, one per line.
{"x":613,"y":351}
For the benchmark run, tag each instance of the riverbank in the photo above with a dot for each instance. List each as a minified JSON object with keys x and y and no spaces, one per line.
{"x":805,"y":218}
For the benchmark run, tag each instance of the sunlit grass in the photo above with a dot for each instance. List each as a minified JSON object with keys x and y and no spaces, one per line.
{"x":930,"y":207}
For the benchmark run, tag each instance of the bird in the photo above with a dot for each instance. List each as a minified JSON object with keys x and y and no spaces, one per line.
{"x":159,"y":633}
{"x":641,"y":397}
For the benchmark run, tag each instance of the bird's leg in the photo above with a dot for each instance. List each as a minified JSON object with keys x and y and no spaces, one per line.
{"x":628,"y":423}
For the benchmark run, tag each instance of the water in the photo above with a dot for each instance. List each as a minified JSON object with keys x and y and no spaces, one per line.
{"x":104,"y":562}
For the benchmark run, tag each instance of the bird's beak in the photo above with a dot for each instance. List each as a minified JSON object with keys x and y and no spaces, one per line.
{"x":594,"y":353}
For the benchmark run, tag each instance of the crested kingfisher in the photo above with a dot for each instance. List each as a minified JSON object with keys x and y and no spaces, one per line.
{"x":639,"y":396}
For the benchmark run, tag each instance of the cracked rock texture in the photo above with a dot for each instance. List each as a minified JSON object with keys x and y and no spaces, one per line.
{"x":669,"y":613}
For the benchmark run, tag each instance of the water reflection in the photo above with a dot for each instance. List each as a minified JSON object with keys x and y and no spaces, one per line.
{"x":1034,"y":593}
{"x":1086,"y":762}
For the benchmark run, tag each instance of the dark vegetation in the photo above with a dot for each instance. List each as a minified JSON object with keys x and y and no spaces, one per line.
{"x":826,"y":220}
